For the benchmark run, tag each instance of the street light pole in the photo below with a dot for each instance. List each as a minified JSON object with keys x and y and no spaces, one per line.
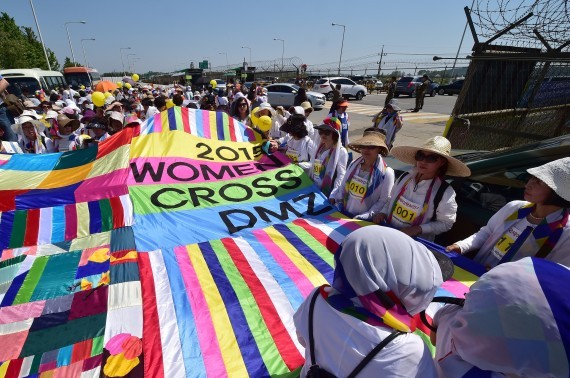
{"x":69,"y":37}
{"x":245,"y":47}
{"x":83,"y":47}
{"x":282,"y":52}
{"x":122,"y":61}
{"x":341,"y":45}
{"x":129,"y":62}
{"x":40,"y":34}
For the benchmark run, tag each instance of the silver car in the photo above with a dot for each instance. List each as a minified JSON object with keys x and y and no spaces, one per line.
{"x":283,"y":94}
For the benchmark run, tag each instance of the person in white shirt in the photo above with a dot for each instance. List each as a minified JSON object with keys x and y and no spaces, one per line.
{"x":328,"y":163}
{"x":65,"y":137}
{"x":382,"y":279}
{"x":299,"y":147}
{"x":421,"y":202}
{"x":366,"y":186}
{"x":31,"y":137}
{"x":537,"y":226}
{"x":391,"y":122}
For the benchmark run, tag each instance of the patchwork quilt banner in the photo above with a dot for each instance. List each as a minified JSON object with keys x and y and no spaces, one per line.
{"x":176,"y":248}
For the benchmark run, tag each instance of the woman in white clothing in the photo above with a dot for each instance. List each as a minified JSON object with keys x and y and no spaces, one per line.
{"x":368,"y":181}
{"x":421,"y":202}
{"x":382,"y":278}
{"x":328,"y":163}
{"x":537,"y":226}
{"x":391,"y":122}
{"x":299,"y":147}
{"x":30,"y":133}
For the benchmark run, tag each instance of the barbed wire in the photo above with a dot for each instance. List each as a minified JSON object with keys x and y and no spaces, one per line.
{"x":550,"y":17}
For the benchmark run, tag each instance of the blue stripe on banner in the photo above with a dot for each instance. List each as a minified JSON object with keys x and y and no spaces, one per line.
{"x":550,"y":275}
{"x":149,"y":125}
{"x":193,"y":361}
{"x":38,"y":198}
{"x":13,"y":289}
{"x":7,"y":222}
{"x":322,"y":266}
{"x":220,"y":125}
{"x":58,"y":224}
{"x":199,"y":123}
{"x":458,"y":260}
{"x":31,"y":162}
{"x":168,"y":229}
{"x":95,"y":222}
{"x":287,"y":284}
{"x":248,"y":346}
{"x":171,"y":119}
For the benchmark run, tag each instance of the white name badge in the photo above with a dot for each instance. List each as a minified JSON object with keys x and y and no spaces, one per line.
{"x":405,"y":212}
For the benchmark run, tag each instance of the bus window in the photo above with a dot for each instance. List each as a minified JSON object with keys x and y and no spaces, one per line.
{"x":19,"y":85}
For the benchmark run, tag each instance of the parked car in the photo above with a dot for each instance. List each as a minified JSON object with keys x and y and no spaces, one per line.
{"x":451,"y":89}
{"x":407,"y":85}
{"x":496,"y":179}
{"x":378,"y":85}
{"x":348,"y":87}
{"x":283,"y":94}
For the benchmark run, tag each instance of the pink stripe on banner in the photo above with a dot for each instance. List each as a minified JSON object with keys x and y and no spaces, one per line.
{"x":209,"y":346}
{"x":455,"y":287}
{"x":17,"y":313}
{"x":113,"y":184}
{"x":192,"y":171}
{"x":205,"y":125}
{"x":299,"y":279}
{"x":70,"y":222}
{"x":157,"y":123}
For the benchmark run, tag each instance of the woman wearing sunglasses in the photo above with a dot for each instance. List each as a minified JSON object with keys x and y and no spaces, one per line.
{"x":421,"y":202}
{"x":535,"y":227}
{"x":328,"y":163}
{"x":368,"y":181}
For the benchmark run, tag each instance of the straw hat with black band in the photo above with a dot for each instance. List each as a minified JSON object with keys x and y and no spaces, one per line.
{"x":63,"y":120}
{"x":437,"y":145}
{"x":372,"y":137}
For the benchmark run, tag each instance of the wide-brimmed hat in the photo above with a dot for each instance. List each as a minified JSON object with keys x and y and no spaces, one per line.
{"x":556,"y":175}
{"x":117,"y":116}
{"x":63,"y":120}
{"x":306,"y":105}
{"x":17,"y":127}
{"x":265,"y":106}
{"x":371,"y":137}
{"x":88,"y":116}
{"x":28,"y":104}
{"x":50,"y":114}
{"x":394,"y":105}
{"x":330,"y":123}
{"x":132,"y":120}
{"x":30,"y":113}
{"x":437,"y":145}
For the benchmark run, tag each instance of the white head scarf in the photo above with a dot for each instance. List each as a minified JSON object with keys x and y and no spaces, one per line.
{"x":377,"y":262}
{"x":515,"y":321}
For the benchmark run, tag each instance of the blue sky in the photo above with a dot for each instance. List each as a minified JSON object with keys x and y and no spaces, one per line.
{"x":167,"y":35}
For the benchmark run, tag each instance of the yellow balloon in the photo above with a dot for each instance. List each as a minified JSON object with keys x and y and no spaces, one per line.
{"x":213,"y":83}
{"x":119,"y":84}
{"x":98,"y":99}
{"x":169,"y":103}
{"x":128,"y":85}
{"x":264,"y":123}
{"x":254,"y":118}
{"x":107,"y":94}
{"x":82,"y":87}
{"x":135,"y":77}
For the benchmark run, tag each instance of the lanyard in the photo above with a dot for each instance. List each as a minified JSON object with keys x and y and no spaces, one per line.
{"x":420,"y":217}
{"x":326,"y":161}
{"x":516,"y":245}
{"x":367,"y":181}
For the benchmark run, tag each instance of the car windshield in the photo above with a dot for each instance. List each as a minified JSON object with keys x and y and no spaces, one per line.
{"x":78,"y":78}
{"x":405,"y":79}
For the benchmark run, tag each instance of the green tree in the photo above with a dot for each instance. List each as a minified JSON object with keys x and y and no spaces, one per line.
{"x":68,"y":63}
{"x":21,"y":48}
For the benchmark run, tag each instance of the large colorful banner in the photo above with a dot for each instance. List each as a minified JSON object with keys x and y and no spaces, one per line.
{"x":173,"y":249}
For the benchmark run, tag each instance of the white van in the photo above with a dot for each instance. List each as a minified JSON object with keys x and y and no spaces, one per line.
{"x":30,"y":80}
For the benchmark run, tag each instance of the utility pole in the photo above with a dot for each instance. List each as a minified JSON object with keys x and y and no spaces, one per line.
{"x":380,"y":62}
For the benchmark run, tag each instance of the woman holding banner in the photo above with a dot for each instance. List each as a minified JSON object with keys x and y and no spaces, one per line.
{"x":366,"y":186}
{"x":421,"y":202}
{"x":537,"y":226}
{"x":328,"y":163}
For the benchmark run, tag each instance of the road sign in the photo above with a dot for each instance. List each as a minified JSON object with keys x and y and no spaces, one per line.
{"x":203,"y":64}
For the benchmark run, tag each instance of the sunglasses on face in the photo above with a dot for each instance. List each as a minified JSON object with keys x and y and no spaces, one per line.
{"x":421,"y":156}
{"x":325,"y":132}
{"x":243,"y":104}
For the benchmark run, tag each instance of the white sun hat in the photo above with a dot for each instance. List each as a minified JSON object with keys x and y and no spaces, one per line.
{"x":556,"y":175}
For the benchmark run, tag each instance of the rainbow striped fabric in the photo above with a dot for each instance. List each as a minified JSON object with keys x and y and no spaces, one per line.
{"x":174,"y":248}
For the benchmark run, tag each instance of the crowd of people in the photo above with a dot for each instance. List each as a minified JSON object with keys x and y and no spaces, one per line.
{"x":383,"y":277}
